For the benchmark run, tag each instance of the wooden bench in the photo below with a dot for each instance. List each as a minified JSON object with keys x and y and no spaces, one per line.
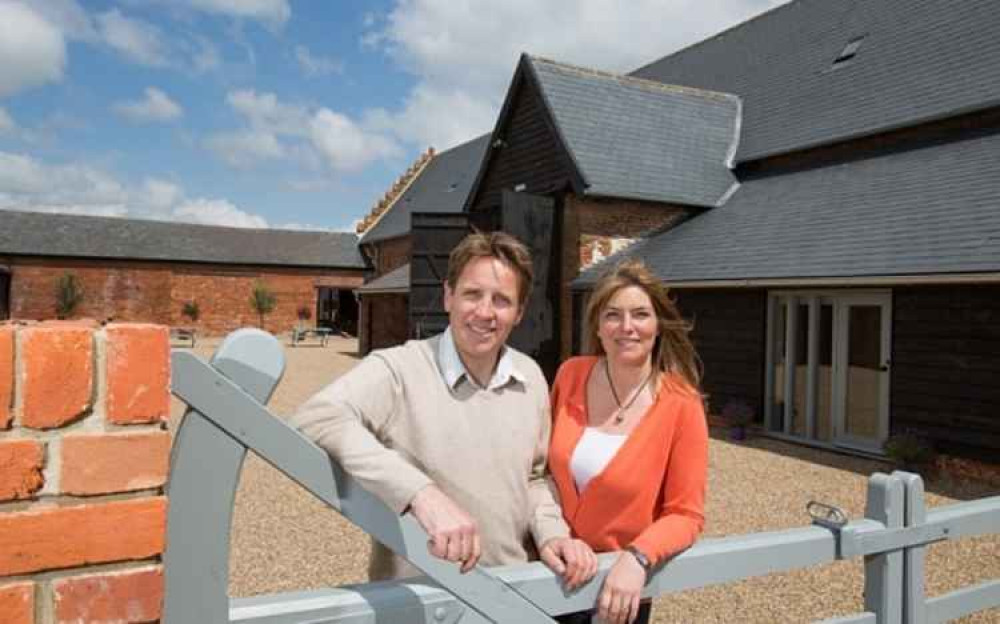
{"x":184,"y":334}
{"x":320,"y":333}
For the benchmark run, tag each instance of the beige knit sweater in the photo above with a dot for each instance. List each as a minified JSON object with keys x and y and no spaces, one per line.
{"x":395,"y":426}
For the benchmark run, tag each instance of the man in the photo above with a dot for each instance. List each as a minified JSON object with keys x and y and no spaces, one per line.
{"x":455,"y":429}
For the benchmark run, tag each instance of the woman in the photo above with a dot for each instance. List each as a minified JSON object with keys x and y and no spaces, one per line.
{"x":629,"y":448}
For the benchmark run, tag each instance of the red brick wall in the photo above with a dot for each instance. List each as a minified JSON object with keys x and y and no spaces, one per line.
{"x":591,"y":225}
{"x":156,"y":292}
{"x":83,"y":460}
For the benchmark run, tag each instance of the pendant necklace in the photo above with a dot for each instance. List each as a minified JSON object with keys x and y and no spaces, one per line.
{"x":620,"y":416}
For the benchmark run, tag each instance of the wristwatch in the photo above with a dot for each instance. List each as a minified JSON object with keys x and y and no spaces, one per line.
{"x":640,"y":557}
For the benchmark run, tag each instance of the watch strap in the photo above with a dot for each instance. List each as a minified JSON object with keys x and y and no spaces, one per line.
{"x":640,"y":557}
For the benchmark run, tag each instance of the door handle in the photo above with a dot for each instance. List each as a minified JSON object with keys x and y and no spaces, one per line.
{"x":885,"y":367}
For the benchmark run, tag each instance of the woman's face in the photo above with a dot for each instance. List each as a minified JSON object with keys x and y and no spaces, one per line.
{"x":628,"y":327}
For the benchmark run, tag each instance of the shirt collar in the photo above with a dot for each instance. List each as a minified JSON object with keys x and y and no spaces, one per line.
{"x":453,"y":370}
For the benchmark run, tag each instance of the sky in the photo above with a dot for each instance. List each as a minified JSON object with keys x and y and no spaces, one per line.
{"x":282,"y":113}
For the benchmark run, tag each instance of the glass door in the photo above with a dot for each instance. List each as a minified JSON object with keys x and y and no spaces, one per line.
{"x":862,"y":411}
{"x":827,"y":367}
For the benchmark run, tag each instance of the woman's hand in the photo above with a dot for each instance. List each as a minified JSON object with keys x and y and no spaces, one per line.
{"x":572,"y":559}
{"x":618,"y":601}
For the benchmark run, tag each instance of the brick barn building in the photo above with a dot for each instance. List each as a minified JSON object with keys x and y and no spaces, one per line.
{"x":138,"y":270}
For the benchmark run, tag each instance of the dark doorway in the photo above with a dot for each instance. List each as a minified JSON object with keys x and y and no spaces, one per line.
{"x":337,"y":308}
{"x":532,"y":220}
{"x":4,"y":295}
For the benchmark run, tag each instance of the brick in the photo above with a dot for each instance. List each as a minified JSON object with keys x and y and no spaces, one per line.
{"x":119,"y":597}
{"x":117,"y":462}
{"x":57,"y":374}
{"x":138,"y":367}
{"x":65,"y":537}
{"x":17,"y":603}
{"x":20,"y":468}
{"x":6,"y":375}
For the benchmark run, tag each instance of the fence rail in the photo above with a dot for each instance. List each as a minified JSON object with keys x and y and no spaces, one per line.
{"x":226,"y":418}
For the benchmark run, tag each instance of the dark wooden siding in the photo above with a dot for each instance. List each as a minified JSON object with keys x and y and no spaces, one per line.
{"x":946,"y":366}
{"x":729,"y":334}
{"x":530,"y":155}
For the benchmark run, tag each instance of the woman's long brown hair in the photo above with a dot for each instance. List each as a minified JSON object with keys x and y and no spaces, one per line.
{"x":673,"y":351}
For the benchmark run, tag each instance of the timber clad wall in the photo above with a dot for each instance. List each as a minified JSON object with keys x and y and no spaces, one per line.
{"x":529,"y":155}
{"x":83,"y":460}
{"x":155,"y":292}
{"x":590,"y":224}
{"x":391,"y":254}
{"x":729,"y":335}
{"x":946,"y":371}
{"x":389,"y":321}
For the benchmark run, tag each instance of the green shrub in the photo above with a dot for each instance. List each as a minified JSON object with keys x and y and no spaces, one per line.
{"x":69,"y":295}
{"x":909,"y":449}
{"x":262,"y":300}
{"x":192,"y":310}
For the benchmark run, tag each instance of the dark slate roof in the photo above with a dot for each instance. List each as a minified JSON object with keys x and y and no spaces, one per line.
{"x":44,"y":234}
{"x":442,"y":186}
{"x":919,"y":60}
{"x":397,"y":280}
{"x":932,"y":210}
{"x":638,"y":139}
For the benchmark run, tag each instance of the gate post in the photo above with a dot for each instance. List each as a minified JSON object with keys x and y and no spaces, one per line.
{"x":884,"y":572}
{"x":914,"y":604}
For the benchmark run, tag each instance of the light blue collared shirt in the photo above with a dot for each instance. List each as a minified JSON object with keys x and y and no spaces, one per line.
{"x":453,"y":370}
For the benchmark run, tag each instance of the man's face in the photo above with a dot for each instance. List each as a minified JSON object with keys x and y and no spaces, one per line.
{"x":482,"y":310}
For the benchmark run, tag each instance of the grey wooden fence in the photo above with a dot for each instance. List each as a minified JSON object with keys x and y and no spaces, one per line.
{"x":226,"y":418}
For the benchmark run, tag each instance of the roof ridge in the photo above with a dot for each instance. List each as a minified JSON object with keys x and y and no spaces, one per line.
{"x":163,"y":222}
{"x":640,"y":82}
{"x":399,"y":187}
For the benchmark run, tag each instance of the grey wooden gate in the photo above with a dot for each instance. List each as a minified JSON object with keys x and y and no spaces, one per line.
{"x":532,"y":220}
{"x":433,"y":236}
{"x":226,"y":419}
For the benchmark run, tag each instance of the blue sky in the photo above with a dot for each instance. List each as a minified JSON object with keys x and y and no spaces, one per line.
{"x":281,"y":113}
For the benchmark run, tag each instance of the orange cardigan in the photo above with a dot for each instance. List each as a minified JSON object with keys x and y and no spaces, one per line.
{"x":652,"y":493}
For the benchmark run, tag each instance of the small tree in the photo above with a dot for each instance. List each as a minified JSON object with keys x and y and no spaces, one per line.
{"x":262,"y":301}
{"x":69,"y":294}
{"x":191,"y":310}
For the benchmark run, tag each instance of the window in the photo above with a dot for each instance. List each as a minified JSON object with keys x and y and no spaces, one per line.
{"x":849,"y":52}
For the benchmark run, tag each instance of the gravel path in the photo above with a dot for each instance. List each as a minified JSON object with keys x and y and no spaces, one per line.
{"x":285,"y":540}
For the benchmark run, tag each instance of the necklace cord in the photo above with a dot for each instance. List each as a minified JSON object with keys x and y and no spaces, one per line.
{"x":614,"y":393}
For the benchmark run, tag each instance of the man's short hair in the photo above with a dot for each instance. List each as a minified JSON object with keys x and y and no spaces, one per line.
{"x":499,"y":245}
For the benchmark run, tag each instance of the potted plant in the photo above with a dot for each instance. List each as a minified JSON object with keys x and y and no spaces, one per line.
{"x":304,"y":314}
{"x":262,"y":300}
{"x":911,"y":452}
{"x":739,"y":414}
{"x":192,"y":310}
{"x":69,"y":294}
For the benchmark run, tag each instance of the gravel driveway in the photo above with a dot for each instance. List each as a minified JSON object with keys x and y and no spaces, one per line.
{"x":285,"y":540}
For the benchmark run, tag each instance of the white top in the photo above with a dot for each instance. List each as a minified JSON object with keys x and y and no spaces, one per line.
{"x":592,"y":454}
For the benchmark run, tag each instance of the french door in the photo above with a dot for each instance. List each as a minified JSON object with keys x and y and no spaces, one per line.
{"x":827,"y":375}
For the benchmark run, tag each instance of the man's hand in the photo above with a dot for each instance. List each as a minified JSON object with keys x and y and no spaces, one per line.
{"x":572,"y":559}
{"x":453,"y":533}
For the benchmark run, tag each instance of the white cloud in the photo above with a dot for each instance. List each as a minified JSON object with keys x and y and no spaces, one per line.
{"x":274,"y":12}
{"x":7,"y":123}
{"x":347,"y":146}
{"x":276,"y":129}
{"x":314,"y":65}
{"x":464,"y":54}
{"x":32,"y":49}
{"x":245,"y":148}
{"x":217,"y":212}
{"x":156,"y":107}
{"x":29,"y":184}
{"x":136,"y":39}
